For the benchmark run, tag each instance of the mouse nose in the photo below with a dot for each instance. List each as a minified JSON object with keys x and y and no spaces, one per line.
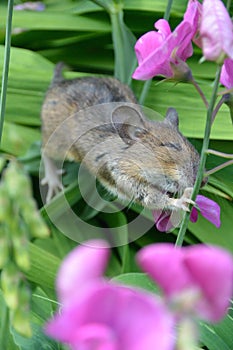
{"x":204,"y":181}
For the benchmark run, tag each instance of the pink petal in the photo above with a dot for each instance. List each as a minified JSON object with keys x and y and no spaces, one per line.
{"x":226,"y":77}
{"x":164,"y":265}
{"x":209,"y":209}
{"x":163,"y":28}
{"x":212,"y":269}
{"x":193,"y":15}
{"x":207,"y":270}
{"x":216,"y":31}
{"x":152,"y":40}
{"x":84,"y":264}
{"x":146,"y":44}
{"x":162,"y":220}
{"x":120,"y":314}
{"x":95,"y":336}
{"x":194,"y":215}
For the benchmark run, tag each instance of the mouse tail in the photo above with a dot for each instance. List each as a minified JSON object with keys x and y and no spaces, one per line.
{"x":57,"y":75}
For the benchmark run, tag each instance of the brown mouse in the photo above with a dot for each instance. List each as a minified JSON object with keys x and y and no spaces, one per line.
{"x":98,"y":121}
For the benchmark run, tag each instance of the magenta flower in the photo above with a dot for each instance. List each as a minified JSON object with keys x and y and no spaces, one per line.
{"x":156,"y":50}
{"x":99,"y":314}
{"x":200,"y":276}
{"x":226,"y":77}
{"x":166,"y":220}
{"x":208,"y":209}
{"x":216,"y":31}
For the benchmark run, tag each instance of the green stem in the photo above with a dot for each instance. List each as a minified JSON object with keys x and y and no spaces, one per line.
{"x":228,"y":4}
{"x":6,"y":65}
{"x":219,"y":154}
{"x":118,"y":43}
{"x":199,"y":90}
{"x":125,"y":258}
{"x":223,"y":99}
{"x":145,"y":89}
{"x":219,"y":167}
{"x":168,"y":10}
{"x":197,"y":185}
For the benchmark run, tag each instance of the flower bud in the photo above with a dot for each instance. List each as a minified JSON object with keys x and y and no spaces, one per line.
{"x":21,"y":254}
{"x":17,"y":183}
{"x":21,"y":316}
{"x":34,"y":221}
{"x":10,"y":279}
{"x":4,"y":247}
{"x":5,"y":205}
{"x":181,"y":71}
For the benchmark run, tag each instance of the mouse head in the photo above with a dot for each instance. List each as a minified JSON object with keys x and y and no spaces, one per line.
{"x":164,"y":155}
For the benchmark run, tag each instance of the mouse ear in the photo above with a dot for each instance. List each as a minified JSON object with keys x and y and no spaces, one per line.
{"x":129,"y":123}
{"x":172,"y":117}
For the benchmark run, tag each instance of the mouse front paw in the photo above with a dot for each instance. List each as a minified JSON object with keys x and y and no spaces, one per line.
{"x":184,"y":201}
{"x":51,"y":178}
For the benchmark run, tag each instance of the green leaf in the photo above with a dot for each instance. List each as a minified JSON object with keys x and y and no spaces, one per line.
{"x":43,"y":267}
{"x":137,"y":279}
{"x":123,"y":42}
{"x":184,"y":97}
{"x":224,"y":330}
{"x":53,"y":20}
{"x":38,"y":341}
{"x":211,"y":339}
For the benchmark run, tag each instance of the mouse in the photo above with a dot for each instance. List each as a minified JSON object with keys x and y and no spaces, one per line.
{"x":98,"y":121}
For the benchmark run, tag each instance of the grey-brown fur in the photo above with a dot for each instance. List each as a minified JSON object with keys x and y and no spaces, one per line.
{"x":103,"y":126}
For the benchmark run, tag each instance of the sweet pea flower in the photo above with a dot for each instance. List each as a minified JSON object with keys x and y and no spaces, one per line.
{"x":166,"y":220}
{"x":199,"y":276}
{"x":226,"y":77}
{"x":208,"y":209}
{"x":102,"y":315}
{"x":216,"y":31}
{"x":157,"y":50}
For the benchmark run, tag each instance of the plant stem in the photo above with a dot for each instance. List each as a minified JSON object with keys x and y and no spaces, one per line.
{"x":219,"y":154}
{"x":199,"y":90}
{"x":168,"y":10}
{"x":219,"y":167}
{"x":6,"y":64}
{"x":203,"y":157}
{"x":223,"y":99}
{"x":144,"y":92}
{"x":228,"y":4}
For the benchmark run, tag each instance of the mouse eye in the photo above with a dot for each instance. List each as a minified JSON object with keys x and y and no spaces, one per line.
{"x":175,"y":146}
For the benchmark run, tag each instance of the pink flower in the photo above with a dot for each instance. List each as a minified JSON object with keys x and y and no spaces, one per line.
{"x":99,"y":314}
{"x":156,"y":50}
{"x":208,"y":209}
{"x":163,"y":220}
{"x":200,"y":276}
{"x":216,"y":31}
{"x":226,"y":77}
{"x":168,"y":219}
